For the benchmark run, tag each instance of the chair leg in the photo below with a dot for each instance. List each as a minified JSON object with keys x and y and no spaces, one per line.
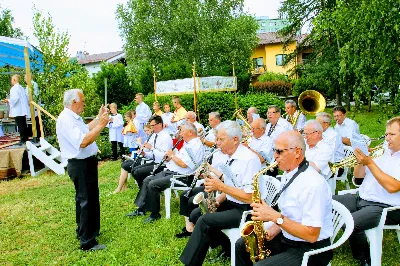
{"x":398,"y":235}
{"x":167,"y":195}
{"x":233,"y":242}
{"x":375,"y":238}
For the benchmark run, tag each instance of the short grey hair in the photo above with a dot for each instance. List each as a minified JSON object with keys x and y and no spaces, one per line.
{"x":70,"y":96}
{"x":262,"y":122}
{"x":291,"y":102}
{"x":192,"y":114}
{"x":297,"y":140}
{"x":190,"y":127}
{"x":325,"y":117}
{"x":232,"y":129}
{"x":314,"y":124}
{"x":216,"y":115}
{"x":276,"y":108}
{"x":253,"y":110}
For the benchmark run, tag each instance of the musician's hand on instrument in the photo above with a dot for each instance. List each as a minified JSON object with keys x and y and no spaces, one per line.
{"x":272,"y":232}
{"x":212,"y":184}
{"x":221,"y":198}
{"x":263,"y":212}
{"x":244,"y":143}
{"x":362,"y":158}
{"x":147,"y":146}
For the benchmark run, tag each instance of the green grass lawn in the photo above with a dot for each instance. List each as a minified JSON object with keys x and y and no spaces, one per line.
{"x":37,"y":223}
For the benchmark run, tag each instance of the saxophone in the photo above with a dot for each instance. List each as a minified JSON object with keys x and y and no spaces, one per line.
{"x":208,"y":205}
{"x":253,"y":231}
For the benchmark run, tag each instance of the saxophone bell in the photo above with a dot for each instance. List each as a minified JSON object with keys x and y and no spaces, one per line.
{"x":200,"y":200}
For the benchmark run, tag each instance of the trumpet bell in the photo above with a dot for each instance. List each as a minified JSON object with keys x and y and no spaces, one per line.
{"x":311,"y":102}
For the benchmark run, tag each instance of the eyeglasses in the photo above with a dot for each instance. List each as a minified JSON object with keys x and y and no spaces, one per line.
{"x":280,"y":151}
{"x":308,"y":134}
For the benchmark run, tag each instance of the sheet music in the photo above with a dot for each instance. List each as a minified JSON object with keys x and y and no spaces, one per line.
{"x":357,"y":141}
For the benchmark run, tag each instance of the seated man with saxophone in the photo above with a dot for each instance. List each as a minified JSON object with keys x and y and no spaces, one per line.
{"x":208,"y":139}
{"x":305,"y":218}
{"x":184,"y":162}
{"x":236,"y":191}
{"x":380,"y":189}
{"x":294,"y":116}
{"x":260,"y":143}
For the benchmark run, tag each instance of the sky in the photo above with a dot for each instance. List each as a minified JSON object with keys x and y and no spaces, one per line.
{"x":91,"y":24}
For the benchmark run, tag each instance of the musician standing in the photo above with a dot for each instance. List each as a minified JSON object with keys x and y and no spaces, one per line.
{"x":214,"y":119}
{"x":293,"y":114}
{"x":260,"y":143}
{"x":179,"y":113}
{"x":344,"y":126}
{"x":143,"y":112}
{"x":380,"y":189}
{"x":305,"y":220}
{"x":184,"y":162}
{"x":154,"y":149}
{"x":236,"y":191}
{"x":77,"y":144}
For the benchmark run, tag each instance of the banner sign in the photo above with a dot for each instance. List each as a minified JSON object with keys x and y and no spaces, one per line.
{"x":204,"y":84}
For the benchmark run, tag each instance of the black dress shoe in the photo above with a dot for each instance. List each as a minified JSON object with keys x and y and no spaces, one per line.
{"x":136,"y":213}
{"x":152,"y":218}
{"x":365,"y":262}
{"x":97,"y":247}
{"x":183,"y":234}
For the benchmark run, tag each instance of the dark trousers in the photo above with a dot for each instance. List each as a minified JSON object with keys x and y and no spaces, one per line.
{"x":207,"y":232}
{"x":142,"y":171}
{"x":158,"y":184}
{"x":285,"y":252}
{"x":186,"y":205}
{"x":30,"y":134}
{"x":366,"y":215}
{"x":115,"y":150}
{"x":20,"y":121}
{"x":85,"y":177}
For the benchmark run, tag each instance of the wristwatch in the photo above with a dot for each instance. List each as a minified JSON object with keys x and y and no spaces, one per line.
{"x":279,"y":221}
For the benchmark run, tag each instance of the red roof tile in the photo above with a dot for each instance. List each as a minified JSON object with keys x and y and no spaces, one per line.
{"x":94,"y":58}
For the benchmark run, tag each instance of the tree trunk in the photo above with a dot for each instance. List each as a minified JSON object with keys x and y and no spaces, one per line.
{"x":338,"y":97}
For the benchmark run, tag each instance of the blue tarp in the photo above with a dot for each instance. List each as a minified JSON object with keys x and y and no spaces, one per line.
{"x":12,"y":54}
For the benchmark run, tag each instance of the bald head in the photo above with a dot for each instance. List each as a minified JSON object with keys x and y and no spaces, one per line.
{"x":191,"y":116}
{"x":294,"y":139}
{"x":15,"y":79}
{"x":258,"y":127}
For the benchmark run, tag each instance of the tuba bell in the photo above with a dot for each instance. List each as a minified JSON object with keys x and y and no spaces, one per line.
{"x":311,"y":102}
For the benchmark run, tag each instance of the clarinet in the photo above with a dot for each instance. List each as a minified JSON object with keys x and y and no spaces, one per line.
{"x":199,"y":172}
{"x":140,"y":152}
{"x":165,"y":158}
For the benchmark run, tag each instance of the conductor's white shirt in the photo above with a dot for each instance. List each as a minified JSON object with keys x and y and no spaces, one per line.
{"x":320,"y":154}
{"x":163,"y":143}
{"x":143,"y":113}
{"x":71,"y":130}
{"x":18,"y":103}
{"x":308,"y":201}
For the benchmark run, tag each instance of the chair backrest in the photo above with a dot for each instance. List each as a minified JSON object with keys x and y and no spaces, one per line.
{"x":341,"y":216}
{"x":269,"y":187}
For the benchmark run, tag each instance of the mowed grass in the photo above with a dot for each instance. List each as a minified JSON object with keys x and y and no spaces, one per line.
{"x":37,"y":223}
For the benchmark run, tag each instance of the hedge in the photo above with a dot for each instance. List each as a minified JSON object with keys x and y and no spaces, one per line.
{"x":222,"y":102}
{"x":278,"y":87}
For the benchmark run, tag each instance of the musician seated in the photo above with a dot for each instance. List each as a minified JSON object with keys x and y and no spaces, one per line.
{"x":252,"y":114}
{"x":344,"y":126}
{"x":191,"y":117}
{"x":305,"y":218}
{"x":154,"y":149}
{"x":235,"y":195}
{"x":276,"y":124}
{"x":380,"y":189}
{"x":260,"y":143}
{"x":186,"y":205}
{"x":294,"y":114}
{"x":184,"y":162}
{"x":214,"y":119}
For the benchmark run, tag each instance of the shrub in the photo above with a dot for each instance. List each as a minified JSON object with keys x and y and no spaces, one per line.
{"x":278,"y":87}
{"x":104,"y":144}
{"x":272,"y":76}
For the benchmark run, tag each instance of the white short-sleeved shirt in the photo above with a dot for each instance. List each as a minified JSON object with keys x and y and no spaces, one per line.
{"x":218,"y":159}
{"x":240,"y":173}
{"x":192,"y":154}
{"x":334,"y":140}
{"x":308,"y":201}
{"x":143,"y":113}
{"x":262,"y":146}
{"x":370,"y":188}
{"x":19,"y":105}
{"x":347,"y":128}
{"x":301,"y":121}
{"x":281,"y":126}
{"x":320,"y":154}
{"x":163,"y":144}
{"x":71,"y":130}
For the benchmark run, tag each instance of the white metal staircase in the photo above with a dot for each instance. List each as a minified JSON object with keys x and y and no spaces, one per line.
{"x":48,"y":155}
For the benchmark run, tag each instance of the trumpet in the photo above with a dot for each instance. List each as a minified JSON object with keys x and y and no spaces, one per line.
{"x":204,"y":133}
{"x":351,"y":161}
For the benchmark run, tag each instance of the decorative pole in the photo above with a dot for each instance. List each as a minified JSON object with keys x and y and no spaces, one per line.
{"x":234,"y":75}
{"x":194,"y":91}
{"x":155,"y":83}
{"x":29,"y":83}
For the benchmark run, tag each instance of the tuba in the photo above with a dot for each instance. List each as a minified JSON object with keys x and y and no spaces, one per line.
{"x":311,"y":102}
{"x":246,"y":128}
{"x":253,"y":231}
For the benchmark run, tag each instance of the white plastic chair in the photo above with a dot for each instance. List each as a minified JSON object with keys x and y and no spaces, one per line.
{"x":269,"y":187}
{"x":341,"y":216}
{"x":375,"y":235}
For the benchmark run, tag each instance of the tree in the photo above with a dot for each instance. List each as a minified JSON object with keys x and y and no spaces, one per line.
{"x":118,"y":88}
{"x":175,"y":33}
{"x":59,"y":72}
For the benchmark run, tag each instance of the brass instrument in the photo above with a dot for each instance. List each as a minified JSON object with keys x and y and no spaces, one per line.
{"x":246,"y":128}
{"x":311,"y":102}
{"x":208,"y":205}
{"x":253,"y":231}
{"x":351,"y":161}
{"x":292,"y":119}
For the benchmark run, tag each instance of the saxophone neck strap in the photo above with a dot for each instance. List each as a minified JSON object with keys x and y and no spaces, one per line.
{"x":302,"y":167}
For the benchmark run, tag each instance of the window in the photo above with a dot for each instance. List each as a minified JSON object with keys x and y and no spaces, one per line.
{"x":279,"y":59}
{"x":258,"y":62}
